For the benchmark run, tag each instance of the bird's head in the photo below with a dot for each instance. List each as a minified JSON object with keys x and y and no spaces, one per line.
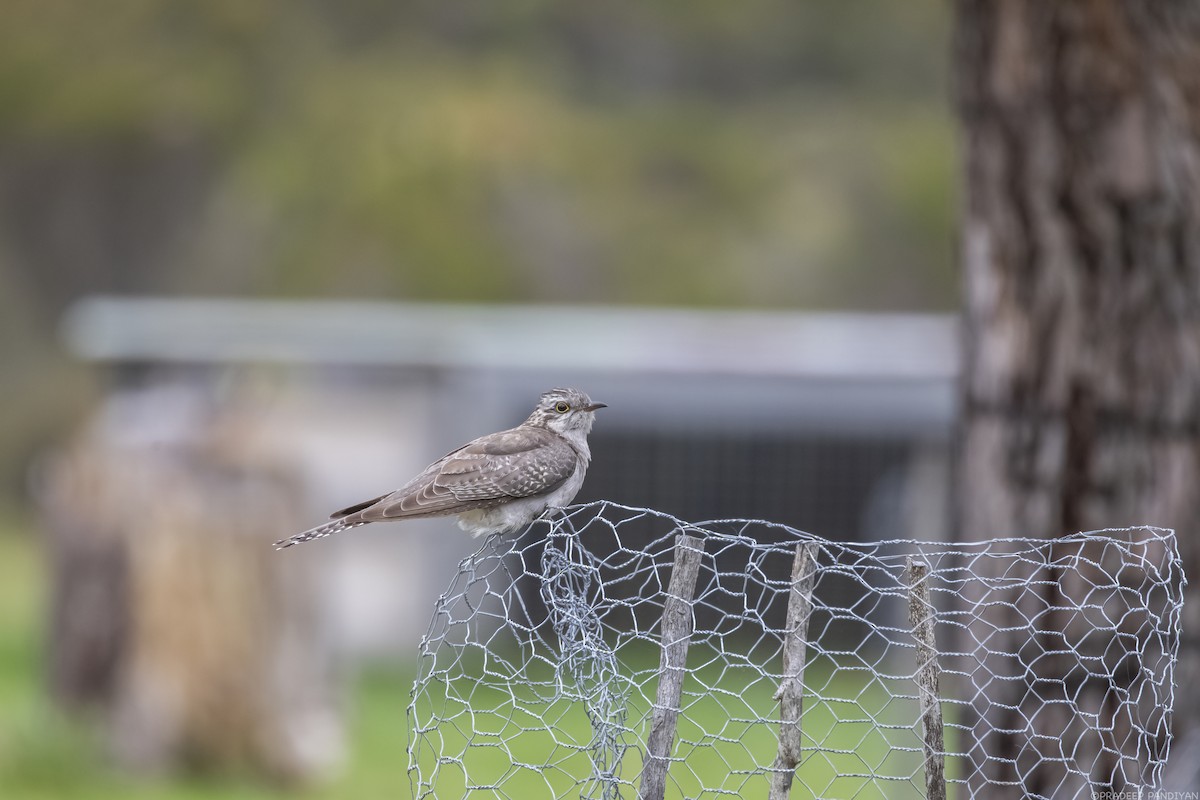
{"x":564,"y":410}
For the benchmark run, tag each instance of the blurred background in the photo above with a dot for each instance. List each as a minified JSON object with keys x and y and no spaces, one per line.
{"x":260,"y":260}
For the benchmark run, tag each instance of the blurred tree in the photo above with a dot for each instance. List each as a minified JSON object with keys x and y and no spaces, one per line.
{"x":766,"y":153}
{"x":1081,"y":393}
{"x":172,"y":620}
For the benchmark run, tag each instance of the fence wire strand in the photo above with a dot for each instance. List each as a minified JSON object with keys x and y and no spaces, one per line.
{"x":539,"y":673}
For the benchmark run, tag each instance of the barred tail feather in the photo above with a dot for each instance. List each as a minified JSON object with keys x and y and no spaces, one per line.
{"x":319,"y":532}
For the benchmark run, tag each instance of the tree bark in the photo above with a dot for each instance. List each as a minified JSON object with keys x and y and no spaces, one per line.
{"x":1081,"y":263}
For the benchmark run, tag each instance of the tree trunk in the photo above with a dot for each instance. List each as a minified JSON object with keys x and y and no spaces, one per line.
{"x":197,"y":644}
{"x":1081,"y":386}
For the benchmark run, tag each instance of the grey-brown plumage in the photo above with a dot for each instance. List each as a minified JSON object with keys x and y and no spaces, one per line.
{"x":496,"y":483}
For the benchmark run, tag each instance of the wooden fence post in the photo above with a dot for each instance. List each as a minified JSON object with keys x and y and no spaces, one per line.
{"x":791,"y":683}
{"x":676,"y":635}
{"x":921,"y":617}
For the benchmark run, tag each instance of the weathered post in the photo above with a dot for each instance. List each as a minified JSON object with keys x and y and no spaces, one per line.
{"x":791,"y":683}
{"x":677,"y":625}
{"x":921,"y":616}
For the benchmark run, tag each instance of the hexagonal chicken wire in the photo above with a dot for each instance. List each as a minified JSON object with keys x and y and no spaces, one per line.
{"x":620,"y":652}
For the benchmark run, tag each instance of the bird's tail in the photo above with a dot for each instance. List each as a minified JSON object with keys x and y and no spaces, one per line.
{"x":321,"y":531}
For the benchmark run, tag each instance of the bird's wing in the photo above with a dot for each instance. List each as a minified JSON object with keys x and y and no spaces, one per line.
{"x":521,"y":462}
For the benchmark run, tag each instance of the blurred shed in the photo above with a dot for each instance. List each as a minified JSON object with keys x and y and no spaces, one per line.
{"x":834,"y":423}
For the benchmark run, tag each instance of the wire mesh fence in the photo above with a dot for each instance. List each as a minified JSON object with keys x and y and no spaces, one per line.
{"x":620,"y":652}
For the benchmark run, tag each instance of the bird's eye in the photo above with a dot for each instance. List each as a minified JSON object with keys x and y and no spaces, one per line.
{"x":562,"y":407}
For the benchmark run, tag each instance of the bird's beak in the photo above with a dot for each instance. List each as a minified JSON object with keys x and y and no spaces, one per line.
{"x":595,"y":406}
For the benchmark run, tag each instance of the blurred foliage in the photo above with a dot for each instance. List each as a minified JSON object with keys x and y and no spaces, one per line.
{"x":757,"y":153}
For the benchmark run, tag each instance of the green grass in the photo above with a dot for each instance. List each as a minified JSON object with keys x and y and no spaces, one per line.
{"x":723,"y":743}
{"x":43,"y":756}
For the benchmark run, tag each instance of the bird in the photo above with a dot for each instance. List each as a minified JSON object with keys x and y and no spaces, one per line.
{"x":497,"y":483}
